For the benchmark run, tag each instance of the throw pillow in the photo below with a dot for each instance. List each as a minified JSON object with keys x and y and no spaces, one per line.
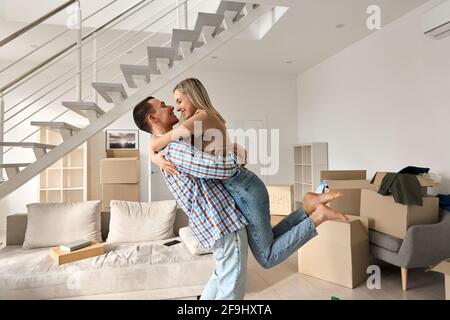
{"x":52,"y":224}
{"x":141,"y":221}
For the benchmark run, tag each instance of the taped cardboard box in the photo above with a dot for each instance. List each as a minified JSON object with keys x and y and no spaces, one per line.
{"x":339,"y":254}
{"x":119,"y":191}
{"x":387,"y":216}
{"x":444,"y":267}
{"x":119,"y":170}
{"x":281,"y":198}
{"x":350,"y":183}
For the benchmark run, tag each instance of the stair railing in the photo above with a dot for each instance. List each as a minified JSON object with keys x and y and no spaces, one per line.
{"x":181,"y":8}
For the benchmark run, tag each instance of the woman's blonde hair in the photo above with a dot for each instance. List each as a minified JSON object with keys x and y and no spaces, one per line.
{"x":198,"y":95}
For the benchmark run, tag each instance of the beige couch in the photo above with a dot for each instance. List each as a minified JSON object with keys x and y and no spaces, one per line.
{"x":143,"y":270}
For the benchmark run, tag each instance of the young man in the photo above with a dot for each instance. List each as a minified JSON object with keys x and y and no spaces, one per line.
{"x":211,"y":190}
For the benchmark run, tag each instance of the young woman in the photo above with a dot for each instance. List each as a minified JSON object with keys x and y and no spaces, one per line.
{"x":270,"y":246}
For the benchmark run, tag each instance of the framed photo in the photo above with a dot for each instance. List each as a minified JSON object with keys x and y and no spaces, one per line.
{"x":122,"y":139}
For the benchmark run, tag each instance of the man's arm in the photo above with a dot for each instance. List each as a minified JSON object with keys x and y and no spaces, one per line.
{"x":194,"y":162}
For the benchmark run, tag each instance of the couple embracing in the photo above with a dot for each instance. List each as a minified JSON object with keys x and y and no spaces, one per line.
{"x":227,"y":205}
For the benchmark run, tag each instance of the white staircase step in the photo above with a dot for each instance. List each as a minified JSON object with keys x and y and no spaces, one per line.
{"x":13,"y":169}
{"x":39,"y":149}
{"x":110,"y":91}
{"x":66,"y":130}
{"x":88,"y":110}
{"x":155,"y":53}
{"x":233,"y":6}
{"x":130,"y":70}
{"x":55,"y":125}
{"x":210,"y":20}
{"x":181,"y":35}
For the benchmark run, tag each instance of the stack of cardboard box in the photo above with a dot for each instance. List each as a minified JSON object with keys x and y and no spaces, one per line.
{"x":340,"y":252}
{"x":389,"y":217}
{"x":119,"y":176}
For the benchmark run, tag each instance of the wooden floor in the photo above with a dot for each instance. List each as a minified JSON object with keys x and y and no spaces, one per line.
{"x":285,"y":283}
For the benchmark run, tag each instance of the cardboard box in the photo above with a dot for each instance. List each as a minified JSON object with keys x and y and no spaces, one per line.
{"x":122,"y":153}
{"x":444,"y":267}
{"x":275,"y":219}
{"x":350,"y":184}
{"x":387,"y":216}
{"x":119,"y":170}
{"x":119,"y":191}
{"x":62,"y":257}
{"x":281,"y":198}
{"x":339,"y":254}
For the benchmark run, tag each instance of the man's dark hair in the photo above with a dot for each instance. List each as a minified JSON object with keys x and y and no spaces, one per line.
{"x":140,"y":113}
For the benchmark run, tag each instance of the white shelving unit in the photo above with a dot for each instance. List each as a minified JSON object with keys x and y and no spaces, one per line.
{"x":67,"y":179}
{"x":309,"y":160}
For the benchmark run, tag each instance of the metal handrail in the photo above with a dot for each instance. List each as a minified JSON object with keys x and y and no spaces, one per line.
{"x":138,"y":43}
{"x":135,"y":28}
{"x":54,"y":38}
{"x":40,"y":109}
{"x":55,"y":56}
{"x":114,"y":78}
{"x":34,"y":132}
{"x":103,"y":31}
{"x":35,"y":23}
{"x":31,"y":103}
{"x":104,"y":55}
{"x":38,"y":90}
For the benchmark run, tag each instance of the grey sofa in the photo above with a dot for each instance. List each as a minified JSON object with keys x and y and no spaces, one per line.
{"x":423,"y":246}
{"x":141,"y":270}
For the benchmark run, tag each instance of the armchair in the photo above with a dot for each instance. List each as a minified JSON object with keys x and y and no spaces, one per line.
{"x":423,"y":246}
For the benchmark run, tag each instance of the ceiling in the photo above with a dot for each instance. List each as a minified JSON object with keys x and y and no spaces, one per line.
{"x":305,"y":35}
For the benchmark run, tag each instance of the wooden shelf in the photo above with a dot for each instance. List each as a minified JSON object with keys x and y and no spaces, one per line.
{"x":309,"y":160}
{"x":67,"y":179}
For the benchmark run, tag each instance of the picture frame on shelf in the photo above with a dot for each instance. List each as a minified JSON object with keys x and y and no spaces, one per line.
{"x":117,"y":139}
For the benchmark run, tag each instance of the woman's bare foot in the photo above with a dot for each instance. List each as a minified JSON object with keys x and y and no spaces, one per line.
{"x":312,"y":200}
{"x":324,"y":213}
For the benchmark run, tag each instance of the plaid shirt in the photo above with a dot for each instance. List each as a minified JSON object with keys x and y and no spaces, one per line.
{"x":199,"y":192}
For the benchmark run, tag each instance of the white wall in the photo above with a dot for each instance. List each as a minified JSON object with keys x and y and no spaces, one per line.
{"x":382,"y":103}
{"x":254,"y":97}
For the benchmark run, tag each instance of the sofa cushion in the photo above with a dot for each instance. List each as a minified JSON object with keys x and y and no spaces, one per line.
{"x":191,"y":242}
{"x":51,"y":224}
{"x":141,"y":221}
{"x":125,"y":267}
{"x":385,"y":241}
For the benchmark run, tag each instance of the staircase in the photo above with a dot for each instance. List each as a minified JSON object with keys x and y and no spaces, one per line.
{"x":186,"y":49}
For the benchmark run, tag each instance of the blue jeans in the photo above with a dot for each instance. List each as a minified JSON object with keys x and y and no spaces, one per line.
{"x":270,"y":246}
{"x":230,"y":274}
